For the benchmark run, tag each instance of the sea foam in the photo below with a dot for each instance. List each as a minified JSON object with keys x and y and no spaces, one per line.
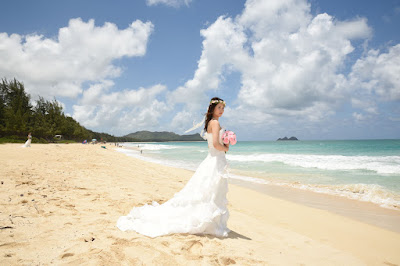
{"x":152,"y":147}
{"x":364,"y":192}
{"x":378,"y":164}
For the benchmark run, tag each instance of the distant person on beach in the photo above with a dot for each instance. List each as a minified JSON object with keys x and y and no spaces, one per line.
{"x":201,"y":206}
{"x":28,"y":142}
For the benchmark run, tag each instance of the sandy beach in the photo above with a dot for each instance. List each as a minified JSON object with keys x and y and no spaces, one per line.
{"x":60,"y":204}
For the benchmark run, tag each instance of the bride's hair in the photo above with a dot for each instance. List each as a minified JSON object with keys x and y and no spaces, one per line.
{"x":214,"y":101}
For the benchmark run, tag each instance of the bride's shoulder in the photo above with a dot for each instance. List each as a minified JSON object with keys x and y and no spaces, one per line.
{"x":213,"y":122}
{"x":213,"y":125}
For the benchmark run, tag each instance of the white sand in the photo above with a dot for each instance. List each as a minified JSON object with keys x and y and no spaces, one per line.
{"x":60,"y":204}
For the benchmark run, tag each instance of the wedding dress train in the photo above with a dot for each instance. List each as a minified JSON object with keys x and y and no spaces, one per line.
{"x":199,"y":208}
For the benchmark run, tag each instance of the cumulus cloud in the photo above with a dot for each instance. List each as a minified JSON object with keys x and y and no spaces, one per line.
{"x":290,"y":61}
{"x":172,"y":3}
{"x":378,"y":74}
{"x":297,"y":69}
{"x":81,"y":52}
{"x":374,"y":78}
{"x":120,"y":111}
{"x":183,"y":120}
{"x":222,"y":42}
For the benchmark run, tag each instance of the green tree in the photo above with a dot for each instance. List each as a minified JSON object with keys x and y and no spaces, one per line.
{"x":45,"y":120}
{"x":16,"y":107}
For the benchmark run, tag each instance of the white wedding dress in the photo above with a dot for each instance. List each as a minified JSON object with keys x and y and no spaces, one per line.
{"x":199,"y":208}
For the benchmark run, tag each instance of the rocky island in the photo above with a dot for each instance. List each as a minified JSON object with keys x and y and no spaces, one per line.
{"x":286,"y":138}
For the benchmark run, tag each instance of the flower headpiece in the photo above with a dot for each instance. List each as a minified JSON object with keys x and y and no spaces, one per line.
{"x":218,"y":101}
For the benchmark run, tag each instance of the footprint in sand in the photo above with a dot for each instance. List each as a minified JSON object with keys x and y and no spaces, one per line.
{"x":193,"y":246}
{"x":389,"y":263}
{"x":165,"y":243}
{"x":226,"y":261}
{"x":66,"y":255}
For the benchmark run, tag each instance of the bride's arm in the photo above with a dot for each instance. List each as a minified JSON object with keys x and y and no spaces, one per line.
{"x":215,"y":133}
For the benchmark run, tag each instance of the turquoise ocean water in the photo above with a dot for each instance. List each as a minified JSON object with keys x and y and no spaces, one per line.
{"x":367,"y":170}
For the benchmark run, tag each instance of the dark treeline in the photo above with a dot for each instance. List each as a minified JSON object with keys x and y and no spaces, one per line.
{"x":44,"y":120}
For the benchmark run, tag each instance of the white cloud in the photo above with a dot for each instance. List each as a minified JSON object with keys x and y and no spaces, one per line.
{"x":81,"y":52}
{"x":289,"y":61}
{"x":297,"y":68}
{"x":183,"y":119}
{"x":374,"y":78}
{"x":172,"y":3}
{"x":120,"y":112}
{"x":358,"y":117}
{"x":357,"y":28}
{"x":378,"y":73}
{"x":291,"y":65}
{"x":368,"y":106}
{"x":268,"y":18}
{"x":222,"y":43}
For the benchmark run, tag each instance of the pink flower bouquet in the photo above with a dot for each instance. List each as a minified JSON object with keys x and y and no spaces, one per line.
{"x":229,"y":137}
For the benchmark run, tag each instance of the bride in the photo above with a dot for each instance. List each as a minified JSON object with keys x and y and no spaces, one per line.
{"x":201,"y":206}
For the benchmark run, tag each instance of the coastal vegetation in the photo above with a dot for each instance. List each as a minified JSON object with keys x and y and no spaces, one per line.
{"x":163,"y":136}
{"x":46,"y":119}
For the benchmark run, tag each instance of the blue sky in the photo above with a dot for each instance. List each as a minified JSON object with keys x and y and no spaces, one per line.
{"x":314,"y":69}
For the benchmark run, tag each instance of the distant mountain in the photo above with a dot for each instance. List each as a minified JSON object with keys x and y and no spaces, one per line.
{"x":162,"y":136}
{"x":286,"y":138}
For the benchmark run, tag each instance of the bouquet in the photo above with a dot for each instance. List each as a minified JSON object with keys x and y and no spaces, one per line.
{"x":229,"y":137}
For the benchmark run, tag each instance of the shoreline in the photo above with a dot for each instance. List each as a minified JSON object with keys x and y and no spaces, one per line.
{"x":363,"y":211}
{"x":254,"y":181}
{"x":60,"y":204}
{"x":366,"y":212}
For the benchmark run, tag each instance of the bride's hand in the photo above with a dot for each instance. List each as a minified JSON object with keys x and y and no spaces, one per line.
{"x":227,"y":146}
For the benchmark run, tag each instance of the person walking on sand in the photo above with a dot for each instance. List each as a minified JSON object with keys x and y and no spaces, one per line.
{"x":28,"y":142}
{"x":201,"y":206}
